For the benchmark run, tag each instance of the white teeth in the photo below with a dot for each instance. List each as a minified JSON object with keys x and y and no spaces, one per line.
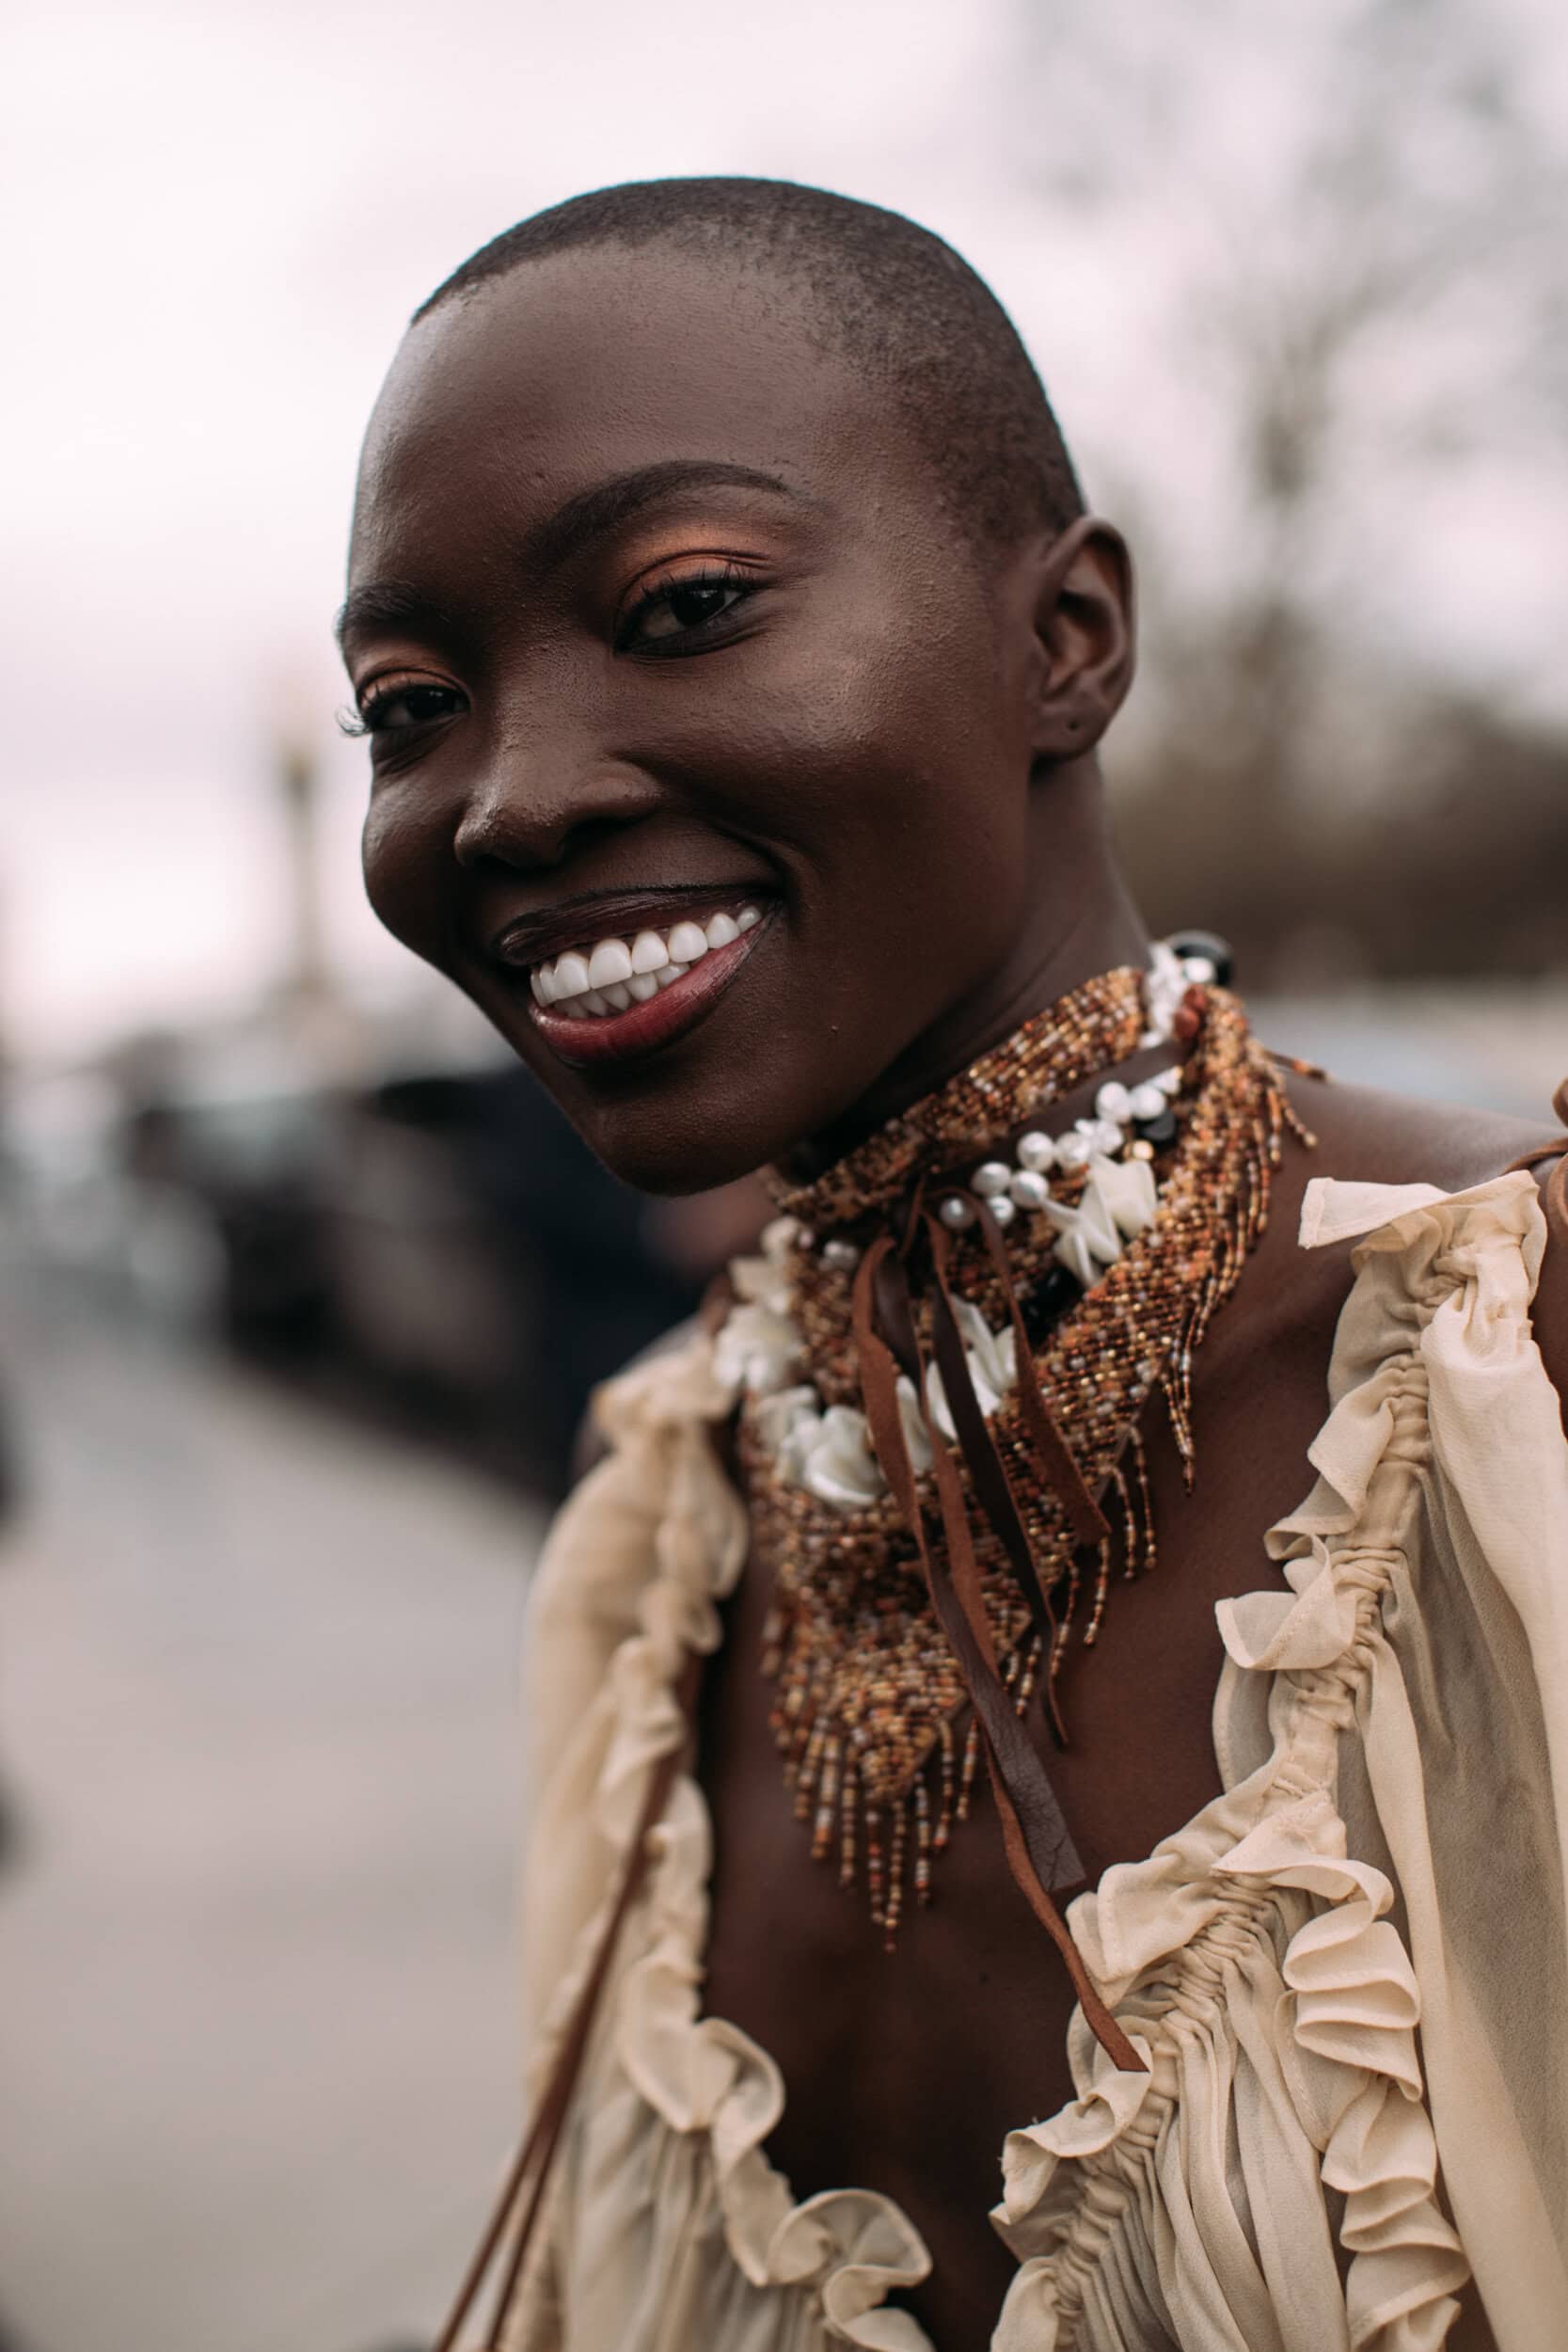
{"x":610,"y":962}
{"x":686,"y":942}
{"x":611,"y":976}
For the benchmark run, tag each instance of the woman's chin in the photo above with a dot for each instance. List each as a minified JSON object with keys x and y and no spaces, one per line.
{"x":674,"y":1158}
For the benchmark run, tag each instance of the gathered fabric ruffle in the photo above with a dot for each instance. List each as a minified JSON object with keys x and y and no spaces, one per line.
{"x":1271,"y":2183}
{"x":1251,"y":1958}
{"x":634,"y":1571}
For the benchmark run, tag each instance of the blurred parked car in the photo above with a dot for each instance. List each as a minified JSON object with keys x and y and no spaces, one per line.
{"x":440,"y":1244}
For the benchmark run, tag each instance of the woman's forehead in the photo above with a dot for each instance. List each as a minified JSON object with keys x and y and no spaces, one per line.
{"x":593,"y":363}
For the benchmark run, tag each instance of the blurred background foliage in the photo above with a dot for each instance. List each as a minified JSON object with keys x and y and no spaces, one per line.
{"x":1367,"y":304}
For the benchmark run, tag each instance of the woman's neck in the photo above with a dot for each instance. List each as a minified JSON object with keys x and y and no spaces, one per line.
{"x":1082,"y":921}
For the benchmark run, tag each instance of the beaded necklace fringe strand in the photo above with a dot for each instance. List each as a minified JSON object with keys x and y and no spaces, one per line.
{"x":868,"y":1697}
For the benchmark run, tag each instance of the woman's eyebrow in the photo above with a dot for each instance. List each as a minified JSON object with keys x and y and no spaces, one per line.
{"x":590,"y":513}
{"x":379,"y":604}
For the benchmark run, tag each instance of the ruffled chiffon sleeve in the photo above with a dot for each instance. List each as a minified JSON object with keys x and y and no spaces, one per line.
{"x":669,"y":2224}
{"x":1348,"y":1973}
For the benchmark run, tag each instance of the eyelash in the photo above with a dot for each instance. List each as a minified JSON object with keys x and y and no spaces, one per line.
{"x":390,"y":689}
{"x":725,"y":574}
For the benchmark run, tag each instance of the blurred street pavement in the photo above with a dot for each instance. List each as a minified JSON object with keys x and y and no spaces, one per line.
{"x":258,"y":2056}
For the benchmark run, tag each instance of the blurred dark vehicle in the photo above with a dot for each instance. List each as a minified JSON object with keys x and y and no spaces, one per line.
{"x":439,"y":1247}
{"x":254,"y":1169}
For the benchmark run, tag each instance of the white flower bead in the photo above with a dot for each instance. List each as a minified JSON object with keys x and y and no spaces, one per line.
{"x":756,"y":1349}
{"x":840,"y":1466}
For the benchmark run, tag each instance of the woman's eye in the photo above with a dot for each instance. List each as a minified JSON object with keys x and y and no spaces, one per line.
{"x":682,"y":607}
{"x":407,"y":703}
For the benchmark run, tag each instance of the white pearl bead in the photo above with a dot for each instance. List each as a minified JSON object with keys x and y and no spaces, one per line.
{"x":1112,"y":1101}
{"x":1035,"y":1150}
{"x":991,"y":1178}
{"x":1106,"y":1137}
{"x":1147,"y":1101}
{"x":1200,"y":970}
{"x":1169,"y":1081}
{"x":956,"y":1213}
{"x":1029,"y":1189}
{"x":842,"y":1254}
{"x":1073,"y":1151}
{"x":1001,"y":1208}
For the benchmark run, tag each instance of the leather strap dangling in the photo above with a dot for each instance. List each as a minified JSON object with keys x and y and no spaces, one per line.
{"x":1056,"y":1456}
{"x":1039,"y":1848}
{"x":530,"y":2172}
{"x":985,"y":1468}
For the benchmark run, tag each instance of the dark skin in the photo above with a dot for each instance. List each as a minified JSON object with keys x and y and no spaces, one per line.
{"x":886,"y":739}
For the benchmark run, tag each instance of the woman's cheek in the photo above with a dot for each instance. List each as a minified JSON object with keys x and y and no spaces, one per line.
{"x":402,"y":864}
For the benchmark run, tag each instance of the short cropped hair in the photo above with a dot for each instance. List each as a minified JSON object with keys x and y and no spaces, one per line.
{"x":891,"y":297}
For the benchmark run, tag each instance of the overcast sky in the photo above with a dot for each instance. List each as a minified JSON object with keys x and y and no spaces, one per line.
{"x":219,"y":217}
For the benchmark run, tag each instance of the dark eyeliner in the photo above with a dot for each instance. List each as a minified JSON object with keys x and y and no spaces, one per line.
{"x":380,"y":698}
{"x":689,"y":638}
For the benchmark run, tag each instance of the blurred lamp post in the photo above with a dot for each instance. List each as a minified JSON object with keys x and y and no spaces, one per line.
{"x":305,"y":978}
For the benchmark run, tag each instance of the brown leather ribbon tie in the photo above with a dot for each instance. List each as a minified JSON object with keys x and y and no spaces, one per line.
{"x":894,"y":1274}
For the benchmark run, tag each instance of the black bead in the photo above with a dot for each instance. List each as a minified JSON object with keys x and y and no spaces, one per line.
{"x":1219,"y":952}
{"x":1158,"y":1130}
{"x":1049,"y":1302}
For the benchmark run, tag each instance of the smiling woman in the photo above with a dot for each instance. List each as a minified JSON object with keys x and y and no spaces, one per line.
{"x":684,"y":618}
{"x":733,"y":650}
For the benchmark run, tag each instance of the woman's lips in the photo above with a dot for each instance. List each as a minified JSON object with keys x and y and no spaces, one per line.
{"x":642,"y":1028}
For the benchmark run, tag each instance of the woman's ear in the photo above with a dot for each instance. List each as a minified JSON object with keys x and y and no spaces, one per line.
{"x":1084,"y":636}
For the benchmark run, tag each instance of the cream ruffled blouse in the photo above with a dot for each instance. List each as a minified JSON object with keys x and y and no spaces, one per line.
{"x":1388,"y":1853}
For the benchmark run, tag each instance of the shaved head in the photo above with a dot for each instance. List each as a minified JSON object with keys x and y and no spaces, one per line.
{"x":887,"y":297}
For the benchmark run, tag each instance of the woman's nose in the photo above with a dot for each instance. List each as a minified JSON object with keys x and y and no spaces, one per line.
{"x":527,"y":812}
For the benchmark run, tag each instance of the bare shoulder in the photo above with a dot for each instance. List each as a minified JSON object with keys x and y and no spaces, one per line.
{"x":1388,"y":1138}
{"x":1394,"y":1139}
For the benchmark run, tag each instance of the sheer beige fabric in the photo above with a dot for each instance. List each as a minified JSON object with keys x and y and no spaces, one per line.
{"x":1297,"y":2170}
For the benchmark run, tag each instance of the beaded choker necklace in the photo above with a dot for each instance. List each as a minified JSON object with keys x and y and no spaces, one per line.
{"x":945,"y":1352}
